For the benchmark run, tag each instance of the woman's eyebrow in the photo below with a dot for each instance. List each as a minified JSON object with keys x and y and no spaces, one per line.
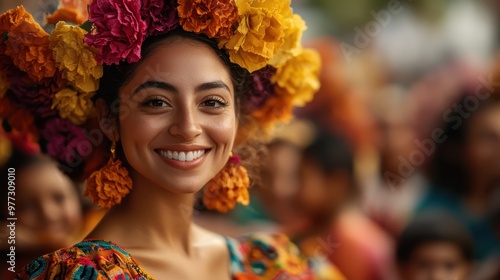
{"x":169,"y":87}
{"x":212,"y":85}
{"x":156,"y":84}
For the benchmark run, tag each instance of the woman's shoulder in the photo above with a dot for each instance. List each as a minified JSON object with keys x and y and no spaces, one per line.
{"x":267,"y":256}
{"x":89,"y":259}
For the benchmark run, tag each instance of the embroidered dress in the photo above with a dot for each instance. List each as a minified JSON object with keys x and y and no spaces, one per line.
{"x":256,"y":256}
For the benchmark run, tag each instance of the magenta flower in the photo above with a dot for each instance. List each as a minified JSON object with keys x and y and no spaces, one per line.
{"x":260,"y":88}
{"x":119,"y":30}
{"x":160,"y":16}
{"x":66,"y":142}
{"x":35,"y":97}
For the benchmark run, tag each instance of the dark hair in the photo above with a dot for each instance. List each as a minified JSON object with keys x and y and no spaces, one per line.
{"x":433,"y":227}
{"x":447,"y":169}
{"x":331,"y":152}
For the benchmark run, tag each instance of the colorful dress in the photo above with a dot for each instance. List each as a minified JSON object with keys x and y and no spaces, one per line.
{"x":256,"y":256}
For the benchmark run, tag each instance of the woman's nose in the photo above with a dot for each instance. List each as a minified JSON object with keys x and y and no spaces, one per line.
{"x":186,"y":123}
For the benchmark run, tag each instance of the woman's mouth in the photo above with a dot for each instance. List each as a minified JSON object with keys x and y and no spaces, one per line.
{"x":181,"y":155}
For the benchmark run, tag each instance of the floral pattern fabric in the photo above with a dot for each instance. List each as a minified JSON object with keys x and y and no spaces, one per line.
{"x":256,"y":256}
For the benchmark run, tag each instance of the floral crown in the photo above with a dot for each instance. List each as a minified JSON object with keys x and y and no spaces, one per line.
{"x":47,"y":81}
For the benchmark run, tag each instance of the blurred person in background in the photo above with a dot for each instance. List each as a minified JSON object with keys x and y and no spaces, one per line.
{"x":48,"y":208}
{"x":336,"y":227}
{"x":464,"y":172}
{"x":435,"y":247}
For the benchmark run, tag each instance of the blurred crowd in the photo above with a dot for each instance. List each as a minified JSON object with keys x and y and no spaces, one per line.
{"x":391,"y":172}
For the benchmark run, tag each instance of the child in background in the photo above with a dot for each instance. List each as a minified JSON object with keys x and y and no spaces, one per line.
{"x":435,"y":247}
{"x":328,"y":198}
{"x":47,"y":207}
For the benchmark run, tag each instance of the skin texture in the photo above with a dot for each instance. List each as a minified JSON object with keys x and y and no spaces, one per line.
{"x":48,"y":208}
{"x":155,"y":219}
{"x":436,"y":261}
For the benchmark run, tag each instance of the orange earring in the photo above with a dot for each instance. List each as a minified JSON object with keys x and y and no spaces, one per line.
{"x":229,"y":186}
{"x":108,"y":185}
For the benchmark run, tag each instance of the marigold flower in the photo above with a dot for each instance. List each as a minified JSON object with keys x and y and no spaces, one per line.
{"x":298,"y":77}
{"x":260,"y":32}
{"x":108,"y":185}
{"x":228,"y":187}
{"x":214,"y":18}
{"x":278,"y":109}
{"x":294,"y":27}
{"x":119,"y":30}
{"x":73,"y":106}
{"x":74,"y":58}
{"x":66,"y":14}
{"x":27,"y":44}
{"x":18,"y":117}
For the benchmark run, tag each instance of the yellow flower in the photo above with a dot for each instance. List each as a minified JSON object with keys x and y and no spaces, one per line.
{"x":74,"y":58}
{"x":73,"y":106}
{"x":299,"y":77}
{"x":260,"y":32}
{"x":4,"y":84}
{"x":294,"y":27}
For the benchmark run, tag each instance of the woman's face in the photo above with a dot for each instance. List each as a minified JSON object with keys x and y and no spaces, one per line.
{"x":177,"y":119}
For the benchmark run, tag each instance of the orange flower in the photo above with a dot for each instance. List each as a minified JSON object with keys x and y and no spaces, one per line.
{"x":66,"y":14}
{"x":27,"y":44}
{"x":19,"y":118}
{"x":108,"y":185}
{"x":214,"y":18}
{"x":278,"y":109}
{"x":229,"y":186}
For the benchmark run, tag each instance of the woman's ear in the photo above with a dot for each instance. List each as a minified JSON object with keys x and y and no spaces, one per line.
{"x":107,"y":122}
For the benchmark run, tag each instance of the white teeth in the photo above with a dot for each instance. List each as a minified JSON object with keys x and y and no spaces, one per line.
{"x":182,"y":156}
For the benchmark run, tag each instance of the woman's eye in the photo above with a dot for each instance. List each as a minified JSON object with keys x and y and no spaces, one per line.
{"x":214,"y":103}
{"x":155,"y":103}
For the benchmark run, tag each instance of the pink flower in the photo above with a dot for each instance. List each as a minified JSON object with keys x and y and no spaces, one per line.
{"x":160,"y":16}
{"x":119,"y":30}
{"x":66,"y":142}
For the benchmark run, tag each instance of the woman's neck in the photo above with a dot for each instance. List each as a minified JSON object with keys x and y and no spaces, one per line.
{"x":150,"y":217}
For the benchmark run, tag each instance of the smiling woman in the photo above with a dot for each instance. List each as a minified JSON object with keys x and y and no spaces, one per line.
{"x":177,"y":94}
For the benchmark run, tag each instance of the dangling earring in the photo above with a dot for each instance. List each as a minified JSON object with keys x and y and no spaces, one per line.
{"x":108,"y":185}
{"x":229,"y":186}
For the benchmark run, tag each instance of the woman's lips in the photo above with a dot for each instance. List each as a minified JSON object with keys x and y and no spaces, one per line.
{"x":185,"y":159}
